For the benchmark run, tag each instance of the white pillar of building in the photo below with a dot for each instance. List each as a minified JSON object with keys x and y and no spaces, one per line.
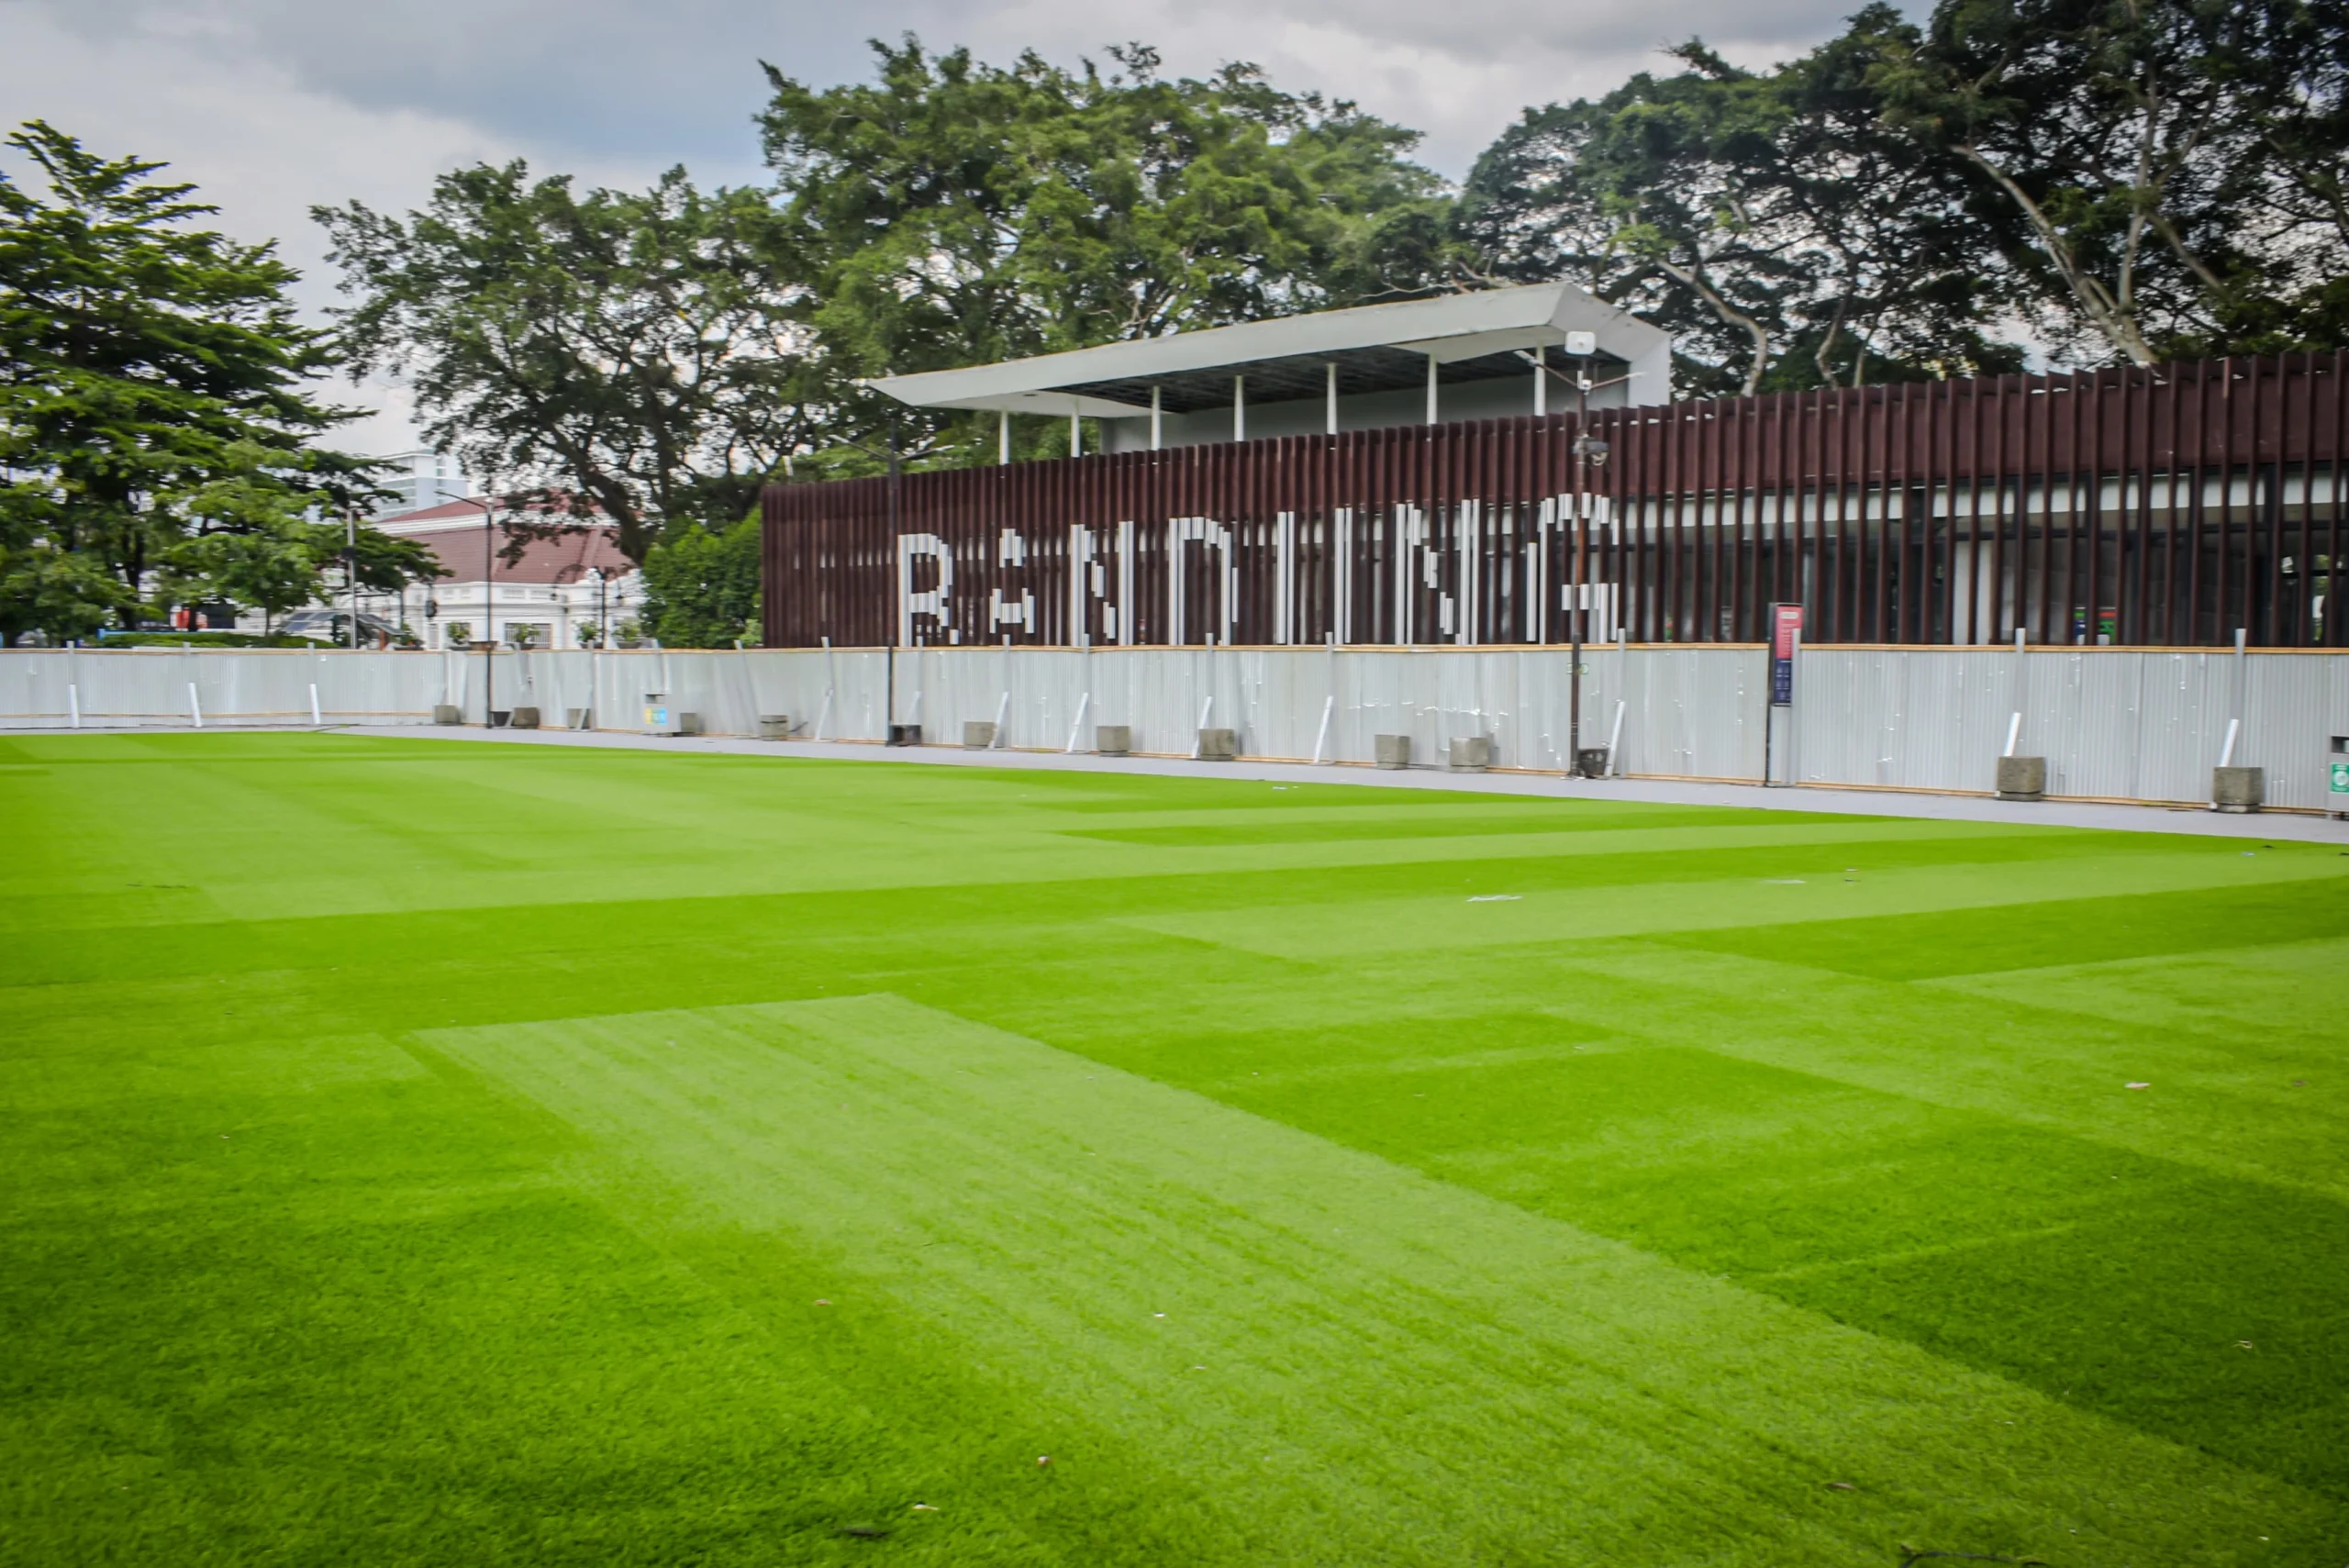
{"x":1431,"y":407}
{"x":1240,"y":408}
{"x":1157,"y":420}
{"x":1331,"y":396}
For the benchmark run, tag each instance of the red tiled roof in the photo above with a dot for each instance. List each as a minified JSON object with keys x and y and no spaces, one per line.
{"x":565,"y":558}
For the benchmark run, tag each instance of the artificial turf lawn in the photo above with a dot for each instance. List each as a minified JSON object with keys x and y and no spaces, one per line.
{"x":420,"y":1151}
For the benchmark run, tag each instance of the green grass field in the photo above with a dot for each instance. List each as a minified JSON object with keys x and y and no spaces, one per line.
{"x":428,"y":1153}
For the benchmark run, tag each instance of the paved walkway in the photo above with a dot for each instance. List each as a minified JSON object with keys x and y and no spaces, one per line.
{"x":2265,"y":825}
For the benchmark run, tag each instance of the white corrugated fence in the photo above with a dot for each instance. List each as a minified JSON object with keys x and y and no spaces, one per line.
{"x":2121,"y":724}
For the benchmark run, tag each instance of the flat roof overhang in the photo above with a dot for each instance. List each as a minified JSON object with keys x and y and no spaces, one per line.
{"x":1376,"y":347}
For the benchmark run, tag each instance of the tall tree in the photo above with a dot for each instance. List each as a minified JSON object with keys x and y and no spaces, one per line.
{"x":640,"y":355}
{"x":2286,"y":64}
{"x":1769,"y":219}
{"x":2106,"y":142}
{"x":155,"y":424}
{"x":952,"y":212}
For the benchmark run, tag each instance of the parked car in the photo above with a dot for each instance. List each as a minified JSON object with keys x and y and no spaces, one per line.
{"x":334,"y":625}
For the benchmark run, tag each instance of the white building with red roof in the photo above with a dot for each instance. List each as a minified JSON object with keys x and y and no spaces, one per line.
{"x":569,"y":588}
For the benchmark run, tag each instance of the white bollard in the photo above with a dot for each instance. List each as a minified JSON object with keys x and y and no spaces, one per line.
{"x":195,"y":708}
{"x":74,"y":703}
{"x":314,"y":707}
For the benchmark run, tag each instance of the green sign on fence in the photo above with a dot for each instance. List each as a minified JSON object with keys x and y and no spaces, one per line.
{"x":2340,"y":776}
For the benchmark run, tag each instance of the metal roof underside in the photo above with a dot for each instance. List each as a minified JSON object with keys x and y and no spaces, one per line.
{"x":1378,"y":348}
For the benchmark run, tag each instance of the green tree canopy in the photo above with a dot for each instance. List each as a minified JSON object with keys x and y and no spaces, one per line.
{"x":639,"y":355}
{"x":701,"y":586}
{"x":2107,"y":179}
{"x":952,"y":212}
{"x":1770,"y":220}
{"x":156,"y":434}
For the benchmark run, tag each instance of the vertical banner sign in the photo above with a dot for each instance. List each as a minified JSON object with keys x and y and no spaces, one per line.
{"x":1786,"y":626}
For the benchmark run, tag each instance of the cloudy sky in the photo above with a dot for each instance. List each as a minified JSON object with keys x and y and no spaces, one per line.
{"x":272,"y":106}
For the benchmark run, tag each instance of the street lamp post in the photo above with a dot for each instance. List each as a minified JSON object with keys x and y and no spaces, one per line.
{"x":350,"y":569}
{"x":488,"y":607}
{"x":1589,"y":453}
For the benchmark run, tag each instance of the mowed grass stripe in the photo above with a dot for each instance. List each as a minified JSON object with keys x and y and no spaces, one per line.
{"x":1776,"y":915}
{"x":1395,"y":1370}
{"x":2126,"y":1283}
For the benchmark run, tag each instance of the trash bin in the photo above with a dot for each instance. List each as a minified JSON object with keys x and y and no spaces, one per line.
{"x":660,"y":717}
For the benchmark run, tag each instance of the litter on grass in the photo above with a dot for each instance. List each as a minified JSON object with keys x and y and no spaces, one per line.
{"x":2137,"y":1085}
{"x":1493,"y":898}
{"x":1782,"y":882}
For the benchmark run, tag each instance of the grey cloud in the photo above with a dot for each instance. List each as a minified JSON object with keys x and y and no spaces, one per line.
{"x":644,"y":85}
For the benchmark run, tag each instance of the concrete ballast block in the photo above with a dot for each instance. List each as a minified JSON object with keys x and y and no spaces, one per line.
{"x":523,"y":718}
{"x":905,"y":735}
{"x":1113,"y":740}
{"x":447,"y":713}
{"x":1470,"y":753}
{"x":2238,"y":789}
{"x":1219,"y":745}
{"x":579,"y":717}
{"x":690,"y":724}
{"x":1391,"y":750}
{"x":1593,"y":763}
{"x":2022,"y":778}
{"x":978,"y":734}
{"x":774,"y":726}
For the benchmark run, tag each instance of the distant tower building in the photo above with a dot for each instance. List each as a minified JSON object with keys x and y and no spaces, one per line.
{"x":421,"y":479}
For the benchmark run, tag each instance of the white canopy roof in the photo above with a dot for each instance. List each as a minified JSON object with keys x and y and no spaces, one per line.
{"x":1376,"y":348}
